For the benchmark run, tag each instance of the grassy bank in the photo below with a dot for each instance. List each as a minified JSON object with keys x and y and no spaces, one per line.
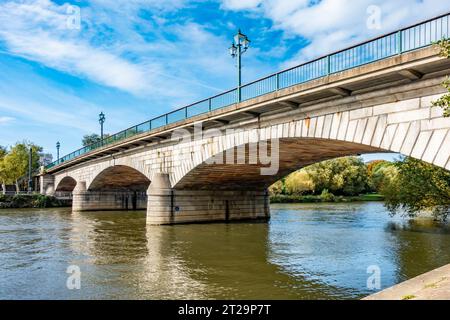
{"x":321,"y":198}
{"x":30,"y":201}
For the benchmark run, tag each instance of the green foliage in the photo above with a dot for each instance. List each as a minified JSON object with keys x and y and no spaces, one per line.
{"x":3,"y":172}
{"x":383,"y":175}
{"x":15,"y":163}
{"x":276,"y":189}
{"x":418,"y":187}
{"x":41,"y":201}
{"x":444,"y":46}
{"x":326,"y":196}
{"x":344,"y":176}
{"x":29,"y":201}
{"x":89,"y":139}
{"x":444,"y":101}
{"x":299,"y":183}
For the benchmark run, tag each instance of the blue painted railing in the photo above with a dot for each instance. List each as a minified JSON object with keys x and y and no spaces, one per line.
{"x":412,"y":38}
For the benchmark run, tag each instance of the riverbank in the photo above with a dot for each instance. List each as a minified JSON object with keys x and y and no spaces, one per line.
{"x":30,"y":201}
{"x":324,"y":198}
{"x":433,"y":285}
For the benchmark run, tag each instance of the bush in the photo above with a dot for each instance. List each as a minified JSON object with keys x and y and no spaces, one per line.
{"x":299,"y":183}
{"x":326,"y":196}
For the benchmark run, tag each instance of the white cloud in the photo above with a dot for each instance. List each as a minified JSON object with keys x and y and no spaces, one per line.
{"x":37,"y":31}
{"x":330,"y":25}
{"x":6,"y":120}
{"x":240,"y":4}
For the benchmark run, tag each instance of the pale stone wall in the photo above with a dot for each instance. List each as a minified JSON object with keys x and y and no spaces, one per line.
{"x":96,"y":201}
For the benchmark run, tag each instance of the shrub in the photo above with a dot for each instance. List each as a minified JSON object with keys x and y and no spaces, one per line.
{"x":326,"y":196}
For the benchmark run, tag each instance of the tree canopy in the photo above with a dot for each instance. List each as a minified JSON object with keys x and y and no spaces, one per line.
{"x":444,"y":101}
{"x":343,"y":176}
{"x":418,"y":187}
{"x":14,"y":164}
{"x":89,"y":139}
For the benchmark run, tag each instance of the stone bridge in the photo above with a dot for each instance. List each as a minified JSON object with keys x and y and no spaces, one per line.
{"x":180,"y":173}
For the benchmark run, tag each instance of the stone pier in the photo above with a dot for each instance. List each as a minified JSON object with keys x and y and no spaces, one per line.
{"x":107,"y":200}
{"x":169,"y":206}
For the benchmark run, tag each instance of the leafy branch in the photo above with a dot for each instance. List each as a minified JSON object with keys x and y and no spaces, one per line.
{"x":444,"y":101}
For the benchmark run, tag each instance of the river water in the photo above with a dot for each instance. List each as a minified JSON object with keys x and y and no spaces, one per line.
{"x":306,"y":251}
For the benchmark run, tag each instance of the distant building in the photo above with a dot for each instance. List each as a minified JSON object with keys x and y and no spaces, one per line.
{"x":45,"y":159}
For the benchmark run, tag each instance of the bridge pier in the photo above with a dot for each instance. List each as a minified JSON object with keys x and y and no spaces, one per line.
{"x":85,"y":200}
{"x":170,"y":206}
{"x":47,"y":184}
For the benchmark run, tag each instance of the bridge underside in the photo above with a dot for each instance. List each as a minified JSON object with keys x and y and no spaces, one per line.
{"x":293,"y":154}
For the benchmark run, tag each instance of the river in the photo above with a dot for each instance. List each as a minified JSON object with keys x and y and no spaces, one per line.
{"x":306,"y":251}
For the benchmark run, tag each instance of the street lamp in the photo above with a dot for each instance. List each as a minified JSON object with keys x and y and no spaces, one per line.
{"x":101,"y":120}
{"x":238,"y":47}
{"x":58,"y":145}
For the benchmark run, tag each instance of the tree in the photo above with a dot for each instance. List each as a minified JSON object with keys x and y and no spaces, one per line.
{"x":15,"y":163}
{"x":89,"y":139}
{"x":344,"y":176}
{"x":418,"y":187}
{"x":444,"y":101}
{"x":3,"y":172}
{"x":383,"y":176}
{"x":299,"y":183}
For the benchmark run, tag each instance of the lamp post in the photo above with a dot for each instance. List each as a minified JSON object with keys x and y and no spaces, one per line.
{"x":101,"y":120}
{"x":238,"y":48}
{"x":58,"y":145}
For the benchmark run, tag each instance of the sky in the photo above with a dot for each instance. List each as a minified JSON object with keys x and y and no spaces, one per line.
{"x":64,"y":62}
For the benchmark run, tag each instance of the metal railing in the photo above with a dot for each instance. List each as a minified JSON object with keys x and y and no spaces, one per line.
{"x":412,"y":38}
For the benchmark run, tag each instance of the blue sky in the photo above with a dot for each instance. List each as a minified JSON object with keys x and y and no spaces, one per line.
{"x":137,"y":59}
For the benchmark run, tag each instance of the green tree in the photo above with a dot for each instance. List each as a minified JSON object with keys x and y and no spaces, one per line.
{"x":342,"y":176}
{"x":383,"y":176}
{"x":444,"y":101}
{"x":299,"y":183}
{"x":276,"y":189}
{"x":89,"y":139}
{"x":418,"y":187}
{"x":15,"y":163}
{"x":3,"y":172}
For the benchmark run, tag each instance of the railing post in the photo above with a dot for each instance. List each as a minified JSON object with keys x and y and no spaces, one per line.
{"x":399,"y":42}
{"x":167,"y":118}
{"x":278,"y":81}
{"x":186,"y":112}
{"x":328,"y":65}
{"x":209,"y":104}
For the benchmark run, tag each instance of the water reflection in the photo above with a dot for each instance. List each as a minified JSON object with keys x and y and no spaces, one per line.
{"x":313,"y":251}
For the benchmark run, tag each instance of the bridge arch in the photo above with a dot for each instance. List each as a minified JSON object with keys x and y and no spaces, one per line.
{"x":119,"y":178}
{"x":294,"y":154}
{"x":66,"y":184}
